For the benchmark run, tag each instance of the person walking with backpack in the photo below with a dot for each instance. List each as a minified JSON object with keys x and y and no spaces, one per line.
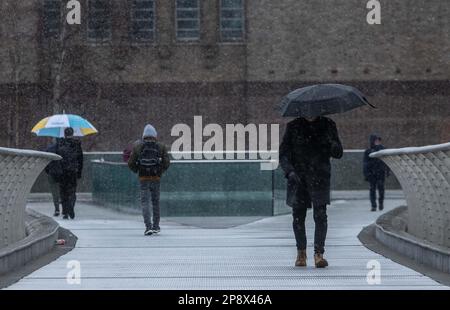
{"x":150,"y":159}
{"x":71,"y":152}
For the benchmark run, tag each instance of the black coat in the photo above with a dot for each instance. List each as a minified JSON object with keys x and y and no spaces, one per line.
{"x":306,"y":149}
{"x":72,"y":157}
{"x":373,"y":168}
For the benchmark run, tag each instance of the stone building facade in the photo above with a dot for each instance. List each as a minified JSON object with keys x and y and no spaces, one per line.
{"x":133,"y":62}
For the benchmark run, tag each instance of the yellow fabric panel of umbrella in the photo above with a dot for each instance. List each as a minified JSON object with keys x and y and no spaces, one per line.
{"x":53,"y":126}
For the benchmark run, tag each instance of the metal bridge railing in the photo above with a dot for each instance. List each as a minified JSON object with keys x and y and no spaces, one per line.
{"x":424,"y":174}
{"x":19,"y":170}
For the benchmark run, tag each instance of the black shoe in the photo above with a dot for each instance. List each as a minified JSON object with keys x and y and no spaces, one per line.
{"x":56,"y":214}
{"x":65,"y":217}
{"x":148,"y":232}
{"x":381,"y":207}
{"x":373,"y":209}
{"x":72,"y":215}
{"x":156,"y":230}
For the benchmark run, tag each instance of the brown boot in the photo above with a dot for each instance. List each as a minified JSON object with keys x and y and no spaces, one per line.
{"x":301,"y":259}
{"x":320,"y":261}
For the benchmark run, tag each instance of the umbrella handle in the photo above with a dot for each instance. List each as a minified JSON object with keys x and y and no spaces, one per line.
{"x":371,"y":105}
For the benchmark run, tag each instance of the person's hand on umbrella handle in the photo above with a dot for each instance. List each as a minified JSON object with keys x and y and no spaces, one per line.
{"x":293,"y":177}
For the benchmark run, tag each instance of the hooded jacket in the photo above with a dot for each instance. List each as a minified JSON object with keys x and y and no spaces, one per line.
{"x":149,"y":131}
{"x":374,"y":168}
{"x":149,"y":134}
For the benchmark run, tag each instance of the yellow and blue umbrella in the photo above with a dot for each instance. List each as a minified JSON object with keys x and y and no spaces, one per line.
{"x":53,"y":126}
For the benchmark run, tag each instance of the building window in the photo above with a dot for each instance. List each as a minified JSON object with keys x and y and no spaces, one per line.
{"x":232,"y":20}
{"x":52,"y":19}
{"x":188,"y":20}
{"x":143,"y":20}
{"x":99,"y":21}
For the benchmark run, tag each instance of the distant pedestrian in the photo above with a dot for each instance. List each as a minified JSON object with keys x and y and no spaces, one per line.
{"x":305,"y":152}
{"x":70,"y":150}
{"x":54,"y":174}
{"x":150,"y":159}
{"x":375,"y":172}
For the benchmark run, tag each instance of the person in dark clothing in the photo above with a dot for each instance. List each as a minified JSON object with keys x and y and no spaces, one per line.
{"x":53,"y":171}
{"x":305,"y":152}
{"x":72,"y":166}
{"x":150,"y":159}
{"x":375,"y":172}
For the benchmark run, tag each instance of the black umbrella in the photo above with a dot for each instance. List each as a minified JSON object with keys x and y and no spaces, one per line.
{"x":322,"y":99}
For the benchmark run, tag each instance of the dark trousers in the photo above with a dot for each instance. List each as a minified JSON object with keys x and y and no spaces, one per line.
{"x":150,"y":190}
{"x":321,"y":223}
{"x":67,"y":191}
{"x":376,"y":184}
{"x":54,"y":188}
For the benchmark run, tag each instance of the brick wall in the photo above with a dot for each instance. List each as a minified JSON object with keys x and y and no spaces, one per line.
{"x":402,"y":66}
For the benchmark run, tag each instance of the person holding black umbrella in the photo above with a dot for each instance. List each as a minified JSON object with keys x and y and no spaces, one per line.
{"x":309,"y":142}
{"x":305,"y":152}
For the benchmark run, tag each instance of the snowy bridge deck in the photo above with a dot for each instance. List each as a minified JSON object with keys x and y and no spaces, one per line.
{"x":114,"y":254}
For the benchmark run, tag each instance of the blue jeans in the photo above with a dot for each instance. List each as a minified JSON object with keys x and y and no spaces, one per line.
{"x":150,"y":190}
